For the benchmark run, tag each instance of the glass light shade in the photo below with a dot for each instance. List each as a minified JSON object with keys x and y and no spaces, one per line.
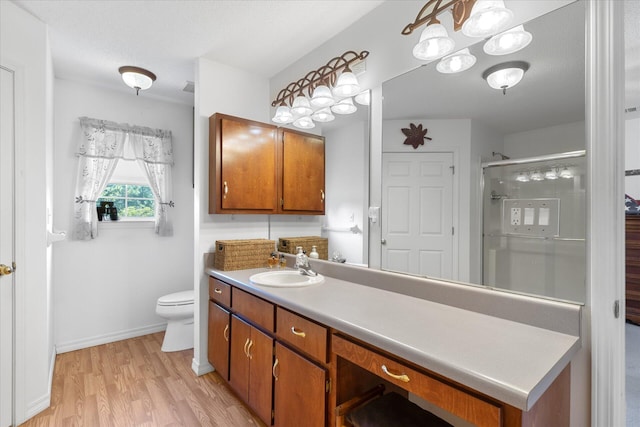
{"x":505,"y":78}
{"x":344,"y":106}
{"x":522,"y":177}
{"x":323,"y":115}
{"x":363,"y":98}
{"x":322,"y":97}
{"x":551,"y":174}
{"x":508,"y":42}
{"x":434,"y":43}
{"x":487,"y":17}
{"x":537,"y":176}
{"x":566,"y":173}
{"x":347,"y":85}
{"x":136,"y":77}
{"x":301,"y":106}
{"x":456,"y":62}
{"x":283,"y":115}
{"x":304,"y":122}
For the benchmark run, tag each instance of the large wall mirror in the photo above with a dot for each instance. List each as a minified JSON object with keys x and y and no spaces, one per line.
{"x":491,"y":197}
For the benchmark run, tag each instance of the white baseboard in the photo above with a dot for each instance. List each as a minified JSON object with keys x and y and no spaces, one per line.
{"x":107,"y":338}
{"x":199,"y":369}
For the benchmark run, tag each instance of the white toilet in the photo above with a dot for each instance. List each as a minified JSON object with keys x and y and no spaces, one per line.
{"x":177,"y":308}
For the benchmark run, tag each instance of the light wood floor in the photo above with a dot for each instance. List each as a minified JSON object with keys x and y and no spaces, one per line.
{"x":133,"y":383}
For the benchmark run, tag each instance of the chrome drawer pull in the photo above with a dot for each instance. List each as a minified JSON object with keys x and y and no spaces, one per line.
{"x":273,"y":371}
{"x":402,"y":377}
{"x":217,"y":291}
{"x":300,"y":334}
{"x":225,"y":333}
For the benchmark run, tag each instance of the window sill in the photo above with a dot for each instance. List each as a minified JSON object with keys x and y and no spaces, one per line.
{"x":127,"y":224}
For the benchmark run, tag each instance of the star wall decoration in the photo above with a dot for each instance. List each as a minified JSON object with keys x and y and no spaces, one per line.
{"x":415,"y":135}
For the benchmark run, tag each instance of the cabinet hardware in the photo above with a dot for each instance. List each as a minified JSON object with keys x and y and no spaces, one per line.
{"x":401,"y":377}
{"x":273,"y":371}
{"x":225,"y":333}
{"x":217,"y":291}
{"x":322,"y":195}
{"x":327,"y":385}
{"x":297,"y":333}
{"x":246,"y":343}
{"x":226,"y":189}
{"x":249,"y":349}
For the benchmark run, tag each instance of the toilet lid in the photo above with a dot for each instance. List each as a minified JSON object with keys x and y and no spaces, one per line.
{"x":178,"y":298}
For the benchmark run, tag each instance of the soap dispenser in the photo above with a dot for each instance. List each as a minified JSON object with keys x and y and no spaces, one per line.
{"x":314,"y":253}
{"x":301,"y":258}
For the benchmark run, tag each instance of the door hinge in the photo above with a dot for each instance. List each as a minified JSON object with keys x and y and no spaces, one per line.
{"x":616,"y":309}
{"x":453,"y":170}
{"x":327,"y":385}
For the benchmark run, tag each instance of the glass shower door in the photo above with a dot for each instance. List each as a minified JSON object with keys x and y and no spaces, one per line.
{"x":534,"y":225}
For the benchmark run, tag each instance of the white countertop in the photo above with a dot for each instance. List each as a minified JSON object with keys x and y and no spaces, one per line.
{"x":509,"y":361}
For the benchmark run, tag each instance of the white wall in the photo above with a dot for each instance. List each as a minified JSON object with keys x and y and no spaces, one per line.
{"x":24,"y":47}
{"x":106,"y":288}
{"x":347,"y":178}
{"x":537,"y":142}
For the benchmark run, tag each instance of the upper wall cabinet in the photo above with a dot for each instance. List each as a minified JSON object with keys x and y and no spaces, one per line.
{"x":257,"y":168}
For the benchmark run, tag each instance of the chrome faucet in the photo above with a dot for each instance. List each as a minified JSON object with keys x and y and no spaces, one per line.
{"x":302,"y":264}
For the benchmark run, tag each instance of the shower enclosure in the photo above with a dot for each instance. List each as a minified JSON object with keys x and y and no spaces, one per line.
{"x":534,"y":225}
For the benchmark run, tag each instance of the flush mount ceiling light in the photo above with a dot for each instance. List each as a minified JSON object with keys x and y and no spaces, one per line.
{"x":487,"y":17}
{"x":508,"y":42}
{"x":505,"y":75}
{"x":456,"y":62}
{"x":137,"y":78}
{"x":307,"y":99}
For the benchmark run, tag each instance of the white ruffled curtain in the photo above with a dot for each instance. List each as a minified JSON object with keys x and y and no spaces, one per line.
{"x":102,"y":143}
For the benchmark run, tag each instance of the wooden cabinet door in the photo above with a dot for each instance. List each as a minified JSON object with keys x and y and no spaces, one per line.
{"x":302,"y":188}
{"x":218,"y":339}
{"x":260,"y":379}
{"x":299,"y":391}
{"x":239,"y":361}
{"x":242,"y":166}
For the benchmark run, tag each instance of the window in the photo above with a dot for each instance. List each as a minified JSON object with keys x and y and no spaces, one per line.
{"x":129,"y":191}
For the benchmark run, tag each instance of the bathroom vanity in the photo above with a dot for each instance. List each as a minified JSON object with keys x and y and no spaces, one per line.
{"x":484,"y":359}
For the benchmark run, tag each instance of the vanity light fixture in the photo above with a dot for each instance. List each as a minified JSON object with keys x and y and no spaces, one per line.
{"x":137,"y":78}
{"x":434,"y":42}
{"x":344,"y":106}
{"x":566,"y":173}
{"x":522,"y":177}
{"x":505,"y":75}
{"x":487,"y":17}
{"x":363,"y":98}
{"x":537,"y":176}
{"x":551,"y":174}
{"x":456,"y":62}
{"x":508,"y":42}
{"x":308,"y":98}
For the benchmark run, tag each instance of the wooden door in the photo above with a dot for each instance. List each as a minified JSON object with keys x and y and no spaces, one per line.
{"x":302,"y":172}
{"x":242,"y":166}
{"x":417,"y":216}
{"x":260,"y":351}
{"x":239,"y":360}
{"x":299,"y":391}
{"x":218,"y":339}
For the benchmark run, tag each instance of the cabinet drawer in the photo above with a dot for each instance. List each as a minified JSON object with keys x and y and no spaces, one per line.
{"x":220,"y":291}
{"x":306,"y":335}
{"x":257,"y":310}
{"x":457,"y":401}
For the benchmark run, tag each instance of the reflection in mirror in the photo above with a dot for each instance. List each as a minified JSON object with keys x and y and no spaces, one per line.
{"x":431,"y":214}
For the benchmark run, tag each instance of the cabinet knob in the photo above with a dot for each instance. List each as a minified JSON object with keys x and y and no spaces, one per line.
{"x":217,"y":291}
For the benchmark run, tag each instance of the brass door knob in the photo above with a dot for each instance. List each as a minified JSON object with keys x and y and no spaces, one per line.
{"x":5,"y":270}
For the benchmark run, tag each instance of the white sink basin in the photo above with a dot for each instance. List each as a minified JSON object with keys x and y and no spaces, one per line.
{"x":285,"y":279}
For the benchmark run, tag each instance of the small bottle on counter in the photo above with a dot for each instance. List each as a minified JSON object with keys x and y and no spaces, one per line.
{"x":273,"y":260}
{"x":314,"y":253}
{"x":283,"y":261}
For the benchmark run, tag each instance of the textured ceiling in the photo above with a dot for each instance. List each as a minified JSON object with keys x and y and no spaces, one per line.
{"x":91,"y":39}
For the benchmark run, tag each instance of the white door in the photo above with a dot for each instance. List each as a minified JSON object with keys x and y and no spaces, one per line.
{"x":6,"y":243}
{"x":417,"y":213}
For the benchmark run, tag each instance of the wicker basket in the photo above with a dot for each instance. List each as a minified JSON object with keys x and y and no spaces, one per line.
{"x":241,"y":254}
{"x":288,"y":245}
